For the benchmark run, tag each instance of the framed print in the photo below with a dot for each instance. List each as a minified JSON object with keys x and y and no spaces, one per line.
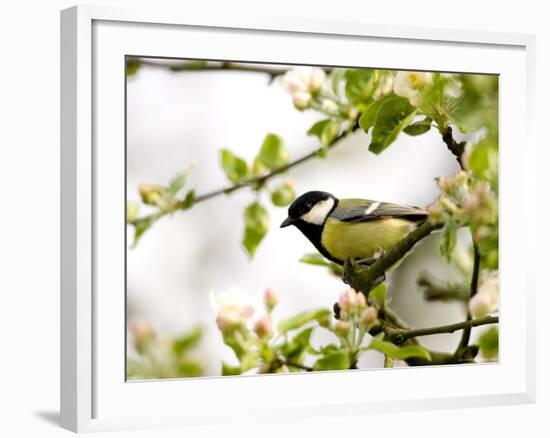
{"x":257,"y":209}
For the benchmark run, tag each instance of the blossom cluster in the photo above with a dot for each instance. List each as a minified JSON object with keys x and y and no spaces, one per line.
{"x":354,"y":312}
{"x":465,"y":200}
{"x":303,"y":83}
{"x":233,"y":312}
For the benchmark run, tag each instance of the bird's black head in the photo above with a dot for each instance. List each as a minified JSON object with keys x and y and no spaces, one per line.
{"x":311,"y":208}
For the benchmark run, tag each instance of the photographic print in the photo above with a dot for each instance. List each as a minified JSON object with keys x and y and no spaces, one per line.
{"x":295,"y":218}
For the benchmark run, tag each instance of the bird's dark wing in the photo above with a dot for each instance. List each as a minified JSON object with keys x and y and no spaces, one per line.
{"x":362,"y":210}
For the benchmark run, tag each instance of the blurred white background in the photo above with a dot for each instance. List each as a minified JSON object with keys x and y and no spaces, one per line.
{"x":178,"y":118}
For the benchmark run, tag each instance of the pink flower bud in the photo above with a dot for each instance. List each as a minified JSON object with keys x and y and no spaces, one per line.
{"x":142,"y":329}
{"x":369,"y":316}
{"x":342,"y":328}
{"x":226,"y":325}
{"x":290,"y":182}
{"x":361,"y":301}
{"x":348,"y":300}
{"x":435,"y":212}
{"x":480,"y":305}
{"x":445,"y":184}
{"x":264,"y":327}
{"x":471,"y":204}
{"x":461,"y":177}
{"x":150,"y":193}
{"x":449,"y":205}
{"x":143,"y":334}
{"x":301,"y":100}
{"x":271,"y":298}
{"x":316,"y":79}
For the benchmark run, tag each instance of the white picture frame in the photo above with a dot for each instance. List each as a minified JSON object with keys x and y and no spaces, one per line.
{"x":94,"y":395}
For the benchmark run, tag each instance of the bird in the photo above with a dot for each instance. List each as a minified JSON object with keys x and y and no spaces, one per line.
{"x":358,"y":230}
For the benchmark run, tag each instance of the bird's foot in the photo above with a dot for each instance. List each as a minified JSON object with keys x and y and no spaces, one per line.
{"x":350,"y":267}
{"x":381,"y":279}
{"x":370,"y":260}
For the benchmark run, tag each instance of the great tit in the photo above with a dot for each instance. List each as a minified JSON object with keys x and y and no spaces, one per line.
{"x":351,"y":229}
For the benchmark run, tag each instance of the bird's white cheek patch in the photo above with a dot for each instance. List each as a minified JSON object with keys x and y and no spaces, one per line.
{"x":319,"y":212}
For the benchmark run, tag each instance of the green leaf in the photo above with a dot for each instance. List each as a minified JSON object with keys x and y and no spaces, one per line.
{"x":294,"y":349}
{"x":230,"y":370}
{"x":448,"y":239}
{"x":187,"y":341}
{"x":283,"y":195}
{"x":483,"y":161}
{"x":488,"y":343}
{"x":190,"y":368}
{"x":400,"y":353}
{"x":249,"y":360}
{"x":256,"y":225}
{"x":188,"y":201}
{"x":141,"y":226}
{"x":302,"y":318}
{"x":273,"y":153}
{"x":178,"y":181}
{"x":257,"y":167}
{"x":378,"y":295}
{"x":235,"y":168}
{"x":419,"y":128}
{"x":132,"y":66}
{"x":360,"y":84}
{"x":394,"y":115}
{"x":132,"y":210}
{"x":368,"y":118}
{"x":317,"y":259}
{"x":329,"y":348}
{"x":230,"y":340}
{"x":314,"y":259}
{"x":334,"y":360}
{"x":336,"y":78}
{"x":326,"y":130}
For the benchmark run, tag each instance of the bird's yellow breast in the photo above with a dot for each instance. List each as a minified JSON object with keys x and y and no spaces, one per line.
{"x":362,"y":240}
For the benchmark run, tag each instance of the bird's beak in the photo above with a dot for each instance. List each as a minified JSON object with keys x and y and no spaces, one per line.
{"x":288,"y":221}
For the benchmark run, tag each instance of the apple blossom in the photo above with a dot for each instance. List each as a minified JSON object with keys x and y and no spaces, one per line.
{"x":264,"y":327}
{"x":231,"y":309}
{"x":409,"y":84}
{"x":486,"y":299}
{"x":302,"y":83}
{"x":271,"y":298}
{"x":369,"y":316}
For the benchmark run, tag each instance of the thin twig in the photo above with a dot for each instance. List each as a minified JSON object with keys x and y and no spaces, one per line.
{"x":297,"y":365}
{"x":465,"y":339}
{"x":399,"y":336}
{"x":250,"y":182}
{"x":193,"y":66}
{"x":456,"y":148}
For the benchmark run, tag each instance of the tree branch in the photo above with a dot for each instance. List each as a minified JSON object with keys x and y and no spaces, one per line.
{"x":259,"y":180}
{"x":398,"y":336}
{"x":194,"y":66}
{"x":250,"y":182}
{"x":364,"y":279}
{"x":465,"y":339}
{"x":296,"y":365}
{"x":456,"y":148}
